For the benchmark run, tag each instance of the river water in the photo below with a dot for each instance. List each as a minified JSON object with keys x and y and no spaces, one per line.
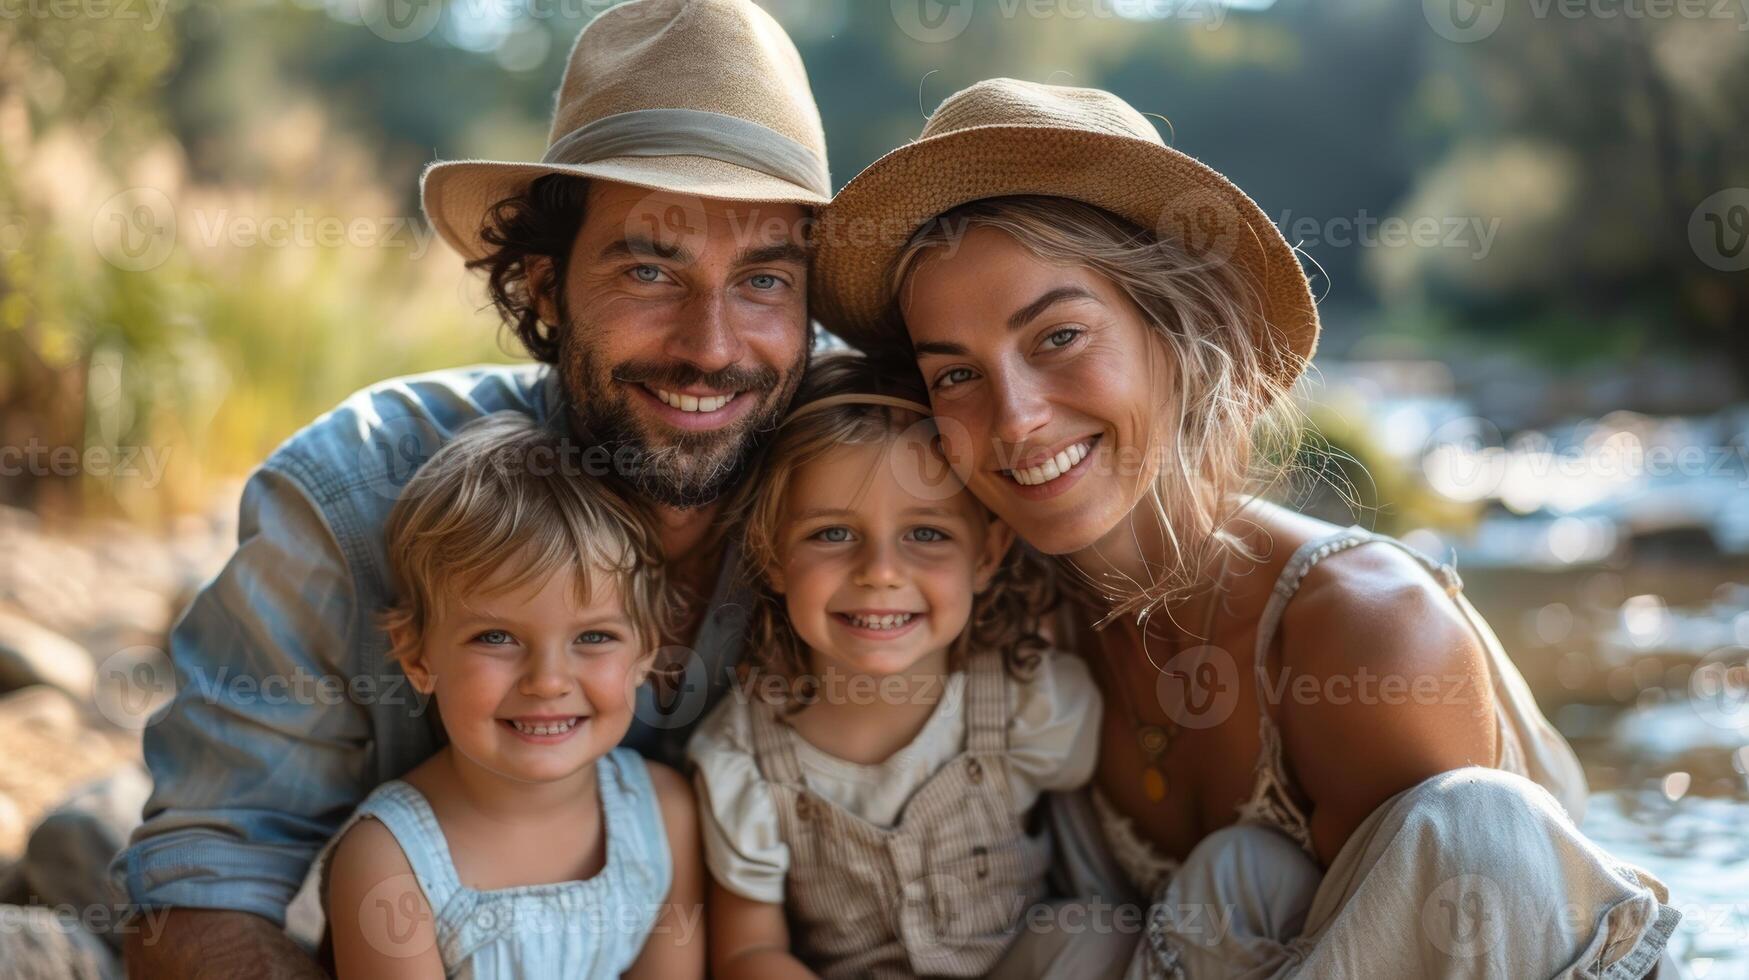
{"x":1641,"y":667}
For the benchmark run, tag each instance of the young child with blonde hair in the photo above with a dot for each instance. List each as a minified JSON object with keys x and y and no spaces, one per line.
{"x":530,"y":605}
{"x":865,"y":794}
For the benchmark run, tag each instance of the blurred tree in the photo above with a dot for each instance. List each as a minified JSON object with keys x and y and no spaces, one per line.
{"x":193,"y":315}
{"x":1594,"y":141}
{"x":76,"y":96}
{"x":1608,"y":148}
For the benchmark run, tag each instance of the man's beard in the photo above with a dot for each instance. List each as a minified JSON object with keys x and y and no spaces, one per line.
{"x":677,"y":469}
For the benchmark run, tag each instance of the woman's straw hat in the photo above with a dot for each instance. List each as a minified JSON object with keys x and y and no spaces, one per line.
{"x":1004,"y":137}
{"x":702,"y":97}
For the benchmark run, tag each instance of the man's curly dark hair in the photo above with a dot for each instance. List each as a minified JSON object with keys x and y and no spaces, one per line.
{"x":541,"y":221}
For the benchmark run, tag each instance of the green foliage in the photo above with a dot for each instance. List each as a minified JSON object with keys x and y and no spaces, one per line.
{"x":1590,"y":140}
{"x":210,"y":350}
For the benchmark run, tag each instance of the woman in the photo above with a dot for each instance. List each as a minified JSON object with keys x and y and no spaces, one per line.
{"x":1309,"y":729}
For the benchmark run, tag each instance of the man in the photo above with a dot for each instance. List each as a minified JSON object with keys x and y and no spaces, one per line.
{"x":654,"y":264}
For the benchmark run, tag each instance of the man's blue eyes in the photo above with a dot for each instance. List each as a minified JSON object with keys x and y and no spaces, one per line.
{"x":652,"y":274}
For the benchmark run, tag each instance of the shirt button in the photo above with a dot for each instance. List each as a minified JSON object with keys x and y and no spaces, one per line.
{"x":974,"y":770}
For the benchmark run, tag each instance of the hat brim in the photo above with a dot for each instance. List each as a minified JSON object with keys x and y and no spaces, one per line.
{"x":458,"y":194}
{"x":864,"y":230}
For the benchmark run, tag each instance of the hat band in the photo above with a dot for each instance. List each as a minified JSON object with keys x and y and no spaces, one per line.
{"x":693,"y":133}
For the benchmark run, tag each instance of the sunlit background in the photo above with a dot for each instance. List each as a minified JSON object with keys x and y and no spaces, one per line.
{"x":1528,"y":222}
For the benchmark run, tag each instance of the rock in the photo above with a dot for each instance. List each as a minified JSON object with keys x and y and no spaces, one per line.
{"x":67,"y":860}
{"x":13,"y":891}
{"x":31,"y":654}
{"x":12,"y":821}
{"x":130,"y":616}
{"x":38,"y":944}
{"x":49,"y":749}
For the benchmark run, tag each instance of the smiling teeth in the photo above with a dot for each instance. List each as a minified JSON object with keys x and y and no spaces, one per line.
{"x":545,"y":728}
{"x":1052,"y":468}
{"x":891,"y":621}
{"x":693,"y":403}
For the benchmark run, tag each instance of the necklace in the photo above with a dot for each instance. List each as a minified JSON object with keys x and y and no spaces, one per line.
{"x":1154,"y":740}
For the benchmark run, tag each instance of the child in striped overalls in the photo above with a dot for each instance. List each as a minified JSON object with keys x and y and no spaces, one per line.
{"x":865,"y":793}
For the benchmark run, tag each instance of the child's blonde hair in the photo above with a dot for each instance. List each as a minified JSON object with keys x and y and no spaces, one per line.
{"x":507,"y":494}
{"x":1005,"y":616}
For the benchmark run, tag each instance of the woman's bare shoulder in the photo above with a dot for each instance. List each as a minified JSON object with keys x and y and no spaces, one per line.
{"x":1375,"y":592}
{"x":1375,"y":654}
{"x":1264,"y":536}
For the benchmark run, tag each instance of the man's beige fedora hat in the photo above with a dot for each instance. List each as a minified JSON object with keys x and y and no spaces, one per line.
{"x":702,"y":97}
{"x":1006,"y":137}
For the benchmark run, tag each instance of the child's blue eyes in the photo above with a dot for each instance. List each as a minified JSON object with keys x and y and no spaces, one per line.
{"x":502,"y":638}
{"x":841,"y":535}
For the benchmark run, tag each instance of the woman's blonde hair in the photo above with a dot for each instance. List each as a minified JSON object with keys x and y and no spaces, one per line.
{"x":505,"y":503}
{"x":1005,"y":616}
{"x":1238,"y":432}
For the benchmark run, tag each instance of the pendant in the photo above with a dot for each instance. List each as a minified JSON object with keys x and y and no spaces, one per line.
{"x":1153,"y":740}
{"x":1154,"y":784}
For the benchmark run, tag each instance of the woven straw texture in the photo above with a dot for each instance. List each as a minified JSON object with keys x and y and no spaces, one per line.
{"x":722,"y":56}
{"x":1005,"y":137}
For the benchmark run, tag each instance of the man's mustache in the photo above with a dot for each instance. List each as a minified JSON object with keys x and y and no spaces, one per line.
{"x":678,"y":374}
